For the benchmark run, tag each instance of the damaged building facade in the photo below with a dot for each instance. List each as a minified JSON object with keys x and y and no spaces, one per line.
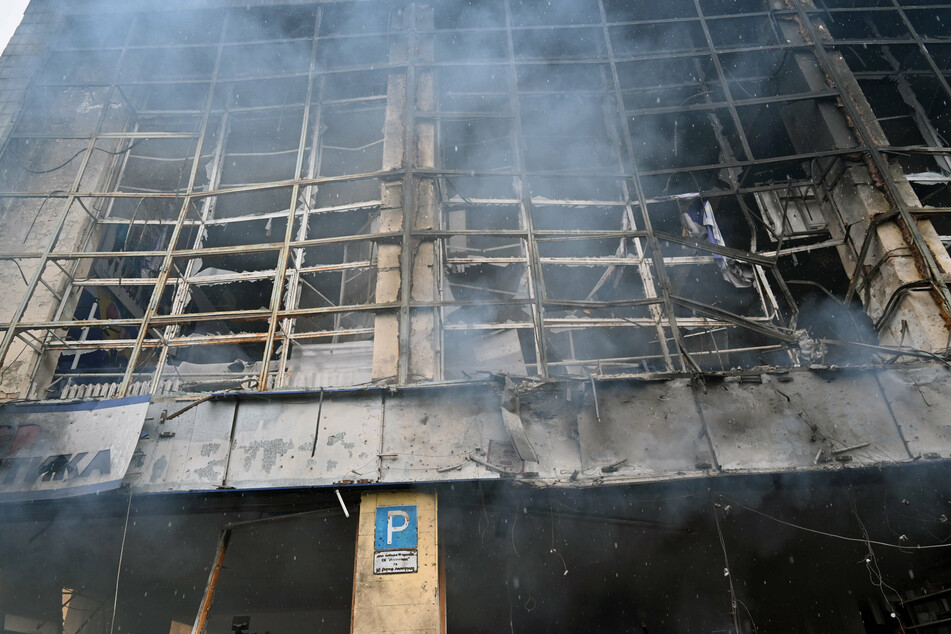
{"x":475,"y":315}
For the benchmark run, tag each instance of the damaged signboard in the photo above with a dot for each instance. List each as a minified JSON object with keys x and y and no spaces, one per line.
{"x":66,"y":449}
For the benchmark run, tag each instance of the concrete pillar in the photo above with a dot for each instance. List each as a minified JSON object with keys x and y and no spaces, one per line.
{"x":28,"y":224}
{"x":407,"y":149}
{"x":395,"y":529}
{"x":424,"y":356}
{"x":386,"y":330}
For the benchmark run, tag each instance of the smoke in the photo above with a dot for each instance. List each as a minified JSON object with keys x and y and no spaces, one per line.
{"x":627,"y":559}
{"x":650,"y":558}
{"x":544,"y":118}
{"x":827,"y":318}
{"x":533,"y":126}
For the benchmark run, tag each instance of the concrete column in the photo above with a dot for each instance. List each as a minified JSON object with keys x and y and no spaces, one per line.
{"x":386,"y":354}
{"x":397,"y":601}
{"x":422,"y":358}
{"x":424,"y":352}
{"x":27,"y":224}
{"x":24,"y":223}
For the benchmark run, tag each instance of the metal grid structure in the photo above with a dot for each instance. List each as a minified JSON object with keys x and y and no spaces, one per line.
{"x":231,"y":186}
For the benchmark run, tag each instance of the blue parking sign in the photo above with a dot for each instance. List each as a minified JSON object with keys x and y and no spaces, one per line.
{"x":395,"y":527}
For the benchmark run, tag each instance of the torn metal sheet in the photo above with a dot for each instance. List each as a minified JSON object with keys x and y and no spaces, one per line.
{"x":920,"y":399}
{"x":442,"y":435}
{"x":275,"y":443}
{"x":185,"y":452}
{"x":512,"y":420}
{"x":928,"y":178}
{"x":55,"y":450}
{"x":646,"y":429}
{"x":549,"y":414}
{"x":700,"y":223}
{"x":502,"y":457}
{"x":799,"y":420}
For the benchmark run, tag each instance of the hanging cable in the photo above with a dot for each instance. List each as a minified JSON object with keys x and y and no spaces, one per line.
{"x":726,"y":572}
{"x":125,"y":530}
{"x":73,"y":157}
{"x":902,"y":547}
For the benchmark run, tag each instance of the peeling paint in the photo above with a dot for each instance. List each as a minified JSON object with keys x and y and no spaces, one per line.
{"x":209,"y":472}
{"x":333,"y":440}
{"x":270,"y":450}
{"x":209,"y":449}
{"x":158,"y":469}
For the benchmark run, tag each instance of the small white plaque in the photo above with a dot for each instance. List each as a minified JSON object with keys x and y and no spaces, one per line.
{"x":392,"y":562}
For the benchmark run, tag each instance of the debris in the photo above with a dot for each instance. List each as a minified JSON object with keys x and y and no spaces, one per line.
{"x":810,"y":350}
{"x":837,"y":452}
{"x":487,"y":465}
{"x":699,"y":223}
{"x":343,"y":506}
{"x":613,"y":467}
{"x":510,"y":407}
{"x":928,"y":178}
{"x":594,"y":391}
{"x":166,"y":416}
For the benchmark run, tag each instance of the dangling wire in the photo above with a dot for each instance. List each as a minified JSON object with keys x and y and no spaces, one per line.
{"x":726,"y":571}
{"x":871,"y":564}
{"x":125,"y":530}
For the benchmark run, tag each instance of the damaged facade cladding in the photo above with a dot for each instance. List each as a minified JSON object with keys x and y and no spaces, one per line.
{"x":563,"y":433}
{"x":315,"y":196}
{"x":279,"y":198}
{"x":333,"y":195}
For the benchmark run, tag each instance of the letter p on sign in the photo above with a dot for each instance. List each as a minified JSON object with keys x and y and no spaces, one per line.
{"x":395,"y":527}
{"x":392,"y":527}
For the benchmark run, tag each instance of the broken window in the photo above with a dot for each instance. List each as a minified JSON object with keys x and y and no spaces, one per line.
{"x":336,"y":194}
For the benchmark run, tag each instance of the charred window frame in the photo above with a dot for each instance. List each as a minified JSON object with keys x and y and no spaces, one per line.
{"x":901,"y":56}
{"x":615,"y":289}
{"x":228,"y":125}
{"x":231,"y":189}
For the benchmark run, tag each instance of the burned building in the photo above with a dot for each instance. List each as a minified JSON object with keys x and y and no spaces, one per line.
{"x":475,"y":315}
